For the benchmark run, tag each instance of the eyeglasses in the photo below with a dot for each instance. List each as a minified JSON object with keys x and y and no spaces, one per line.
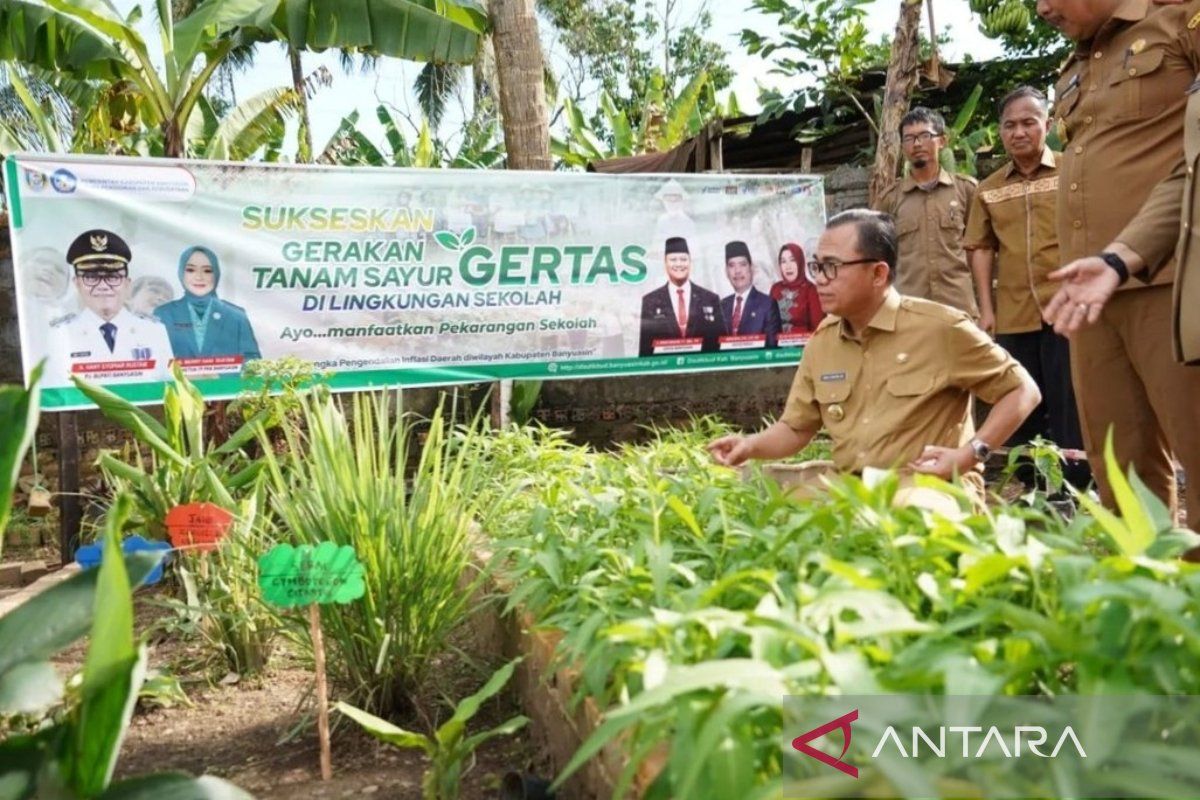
{"x":111,"y":277}
{"x":829,"y":269}
{"x":924,"y":137}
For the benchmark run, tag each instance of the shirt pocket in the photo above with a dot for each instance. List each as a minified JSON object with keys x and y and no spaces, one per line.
{"x":953,"y":219}
{"x":907,"y":226}
{"x":1135,"y":97}
{"x":832,"y":397}
{"x":913,"y":384}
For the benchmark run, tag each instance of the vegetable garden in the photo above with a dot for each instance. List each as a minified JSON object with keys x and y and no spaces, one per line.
{"x":664,"y":604}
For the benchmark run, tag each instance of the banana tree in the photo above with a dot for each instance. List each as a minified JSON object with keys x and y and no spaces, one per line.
{"x":664,"y":124}
{"x":91,"y":38}
{"x":479,"y":148}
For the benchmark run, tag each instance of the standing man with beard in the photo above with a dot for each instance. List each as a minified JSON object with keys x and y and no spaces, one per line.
{"x":1011,"y":235}
{"x":1120,"y":111}
{"x":930,"y":208}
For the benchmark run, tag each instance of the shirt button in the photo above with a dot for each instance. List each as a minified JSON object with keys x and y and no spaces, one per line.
{"x":1074,"y":187}
{"x":1132,"y":71}
{"x":1088,"y":119}
{"x":1077,"y":224}
{"x":1078,"y":149}
{"x":1097,"y":54}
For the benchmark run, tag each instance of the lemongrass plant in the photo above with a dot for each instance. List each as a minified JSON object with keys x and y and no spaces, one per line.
{"x":348,"y":480}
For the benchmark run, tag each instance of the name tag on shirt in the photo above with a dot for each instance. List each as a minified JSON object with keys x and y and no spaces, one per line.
{"x":828,"y":377}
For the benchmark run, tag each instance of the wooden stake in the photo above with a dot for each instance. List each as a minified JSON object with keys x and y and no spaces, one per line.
{"x":318,"y":643}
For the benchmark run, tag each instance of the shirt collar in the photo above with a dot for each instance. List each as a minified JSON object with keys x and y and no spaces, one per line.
{"x":1132,"y":10}
{"x":944,"y":178}
{"x":885,"y":317}
{"x":1047,"y":160}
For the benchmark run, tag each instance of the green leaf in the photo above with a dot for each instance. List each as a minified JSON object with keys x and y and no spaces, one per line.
{"x":448,"y":240}
{"x":19,"y":409}
{"x":467,"y":236}
{"x":174,"y":786}
{"x":681,"y":111}
{"x":385,"y":731}
{"x":29,"y":687}
{"x":53,"y":619}
{"x":1138,"y":524}
{"x":685,"y":514}
{"x":21,"y":760}
{"x":145,"y":427}
{"x":504,"y":729}
{"x":451,"y":731}
{"x":112,"y":670}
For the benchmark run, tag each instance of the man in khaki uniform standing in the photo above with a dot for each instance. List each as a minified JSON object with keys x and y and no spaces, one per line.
{"x":889,"y":377}
{"x":1011,"y":235}
{"x":1120,"y":112}
{"x":930,"y":207}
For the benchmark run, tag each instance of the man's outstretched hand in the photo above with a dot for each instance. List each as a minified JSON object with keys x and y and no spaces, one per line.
{"x":1087,"y":284}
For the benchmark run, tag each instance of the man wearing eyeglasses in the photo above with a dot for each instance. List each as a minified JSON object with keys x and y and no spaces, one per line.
{"x":104,"y":342}
{"x":890,"y":377}
{"x":930,"y":207}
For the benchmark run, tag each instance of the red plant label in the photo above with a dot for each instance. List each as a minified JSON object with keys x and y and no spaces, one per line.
{"x":198,"y":526}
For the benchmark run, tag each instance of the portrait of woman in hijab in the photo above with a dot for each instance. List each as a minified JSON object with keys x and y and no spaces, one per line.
{"x":799,"y":305}
{"x":200,"y":323}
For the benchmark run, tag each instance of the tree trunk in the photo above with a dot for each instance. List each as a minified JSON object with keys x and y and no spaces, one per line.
{"x":172,"y":139}
{"x":483,"y":74}
{"x":901,"y":80}
{"x":304,"y":134}
{"x":521,"y":74}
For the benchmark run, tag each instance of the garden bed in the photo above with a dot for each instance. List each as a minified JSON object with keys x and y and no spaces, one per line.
{"x":261,"y":734}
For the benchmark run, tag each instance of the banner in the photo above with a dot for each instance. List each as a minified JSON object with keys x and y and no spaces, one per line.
{"x":399,"y":276}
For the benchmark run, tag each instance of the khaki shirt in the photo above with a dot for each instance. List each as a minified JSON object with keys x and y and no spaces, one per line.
{"x":930,"y":226}
{"x":1014,"y":216}
{"x":1170,"y":223}
{"x":905,"y":383}
{"x":1119,"y":112}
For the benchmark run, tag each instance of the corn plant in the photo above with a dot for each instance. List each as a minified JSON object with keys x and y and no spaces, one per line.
{"x":449,"y":748}
{"x":183,"y":466}
{"x":347,"y":482}
{"x":221,"y":602}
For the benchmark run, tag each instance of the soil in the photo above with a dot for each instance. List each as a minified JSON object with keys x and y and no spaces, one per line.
{"x":261,"y":734}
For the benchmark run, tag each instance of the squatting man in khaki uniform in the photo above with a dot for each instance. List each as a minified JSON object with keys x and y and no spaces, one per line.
{"x":1120,"y":109}
{"x":930,"y":208}
{"x":889,"y":377}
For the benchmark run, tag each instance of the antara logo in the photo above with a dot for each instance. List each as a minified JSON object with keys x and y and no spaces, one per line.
{"x":1023,"y":738}
{"x":842,"y":723}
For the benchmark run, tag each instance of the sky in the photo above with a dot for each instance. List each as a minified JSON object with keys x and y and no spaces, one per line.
{"x":392,"y":82}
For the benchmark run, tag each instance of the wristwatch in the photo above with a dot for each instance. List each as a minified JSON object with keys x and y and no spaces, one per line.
{"x":1118,"y":264}
{"x":982,"y":449}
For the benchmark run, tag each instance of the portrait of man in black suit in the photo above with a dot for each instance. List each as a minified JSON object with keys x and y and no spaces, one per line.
{"x":748,"y":312}
{"x":680,"y":309}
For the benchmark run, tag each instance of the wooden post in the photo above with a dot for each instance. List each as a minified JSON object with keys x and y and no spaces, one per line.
{"x":806,"y":155}
{"x":901,"y":79}
{"x":318,"y":644}
{"x":70,"y":508}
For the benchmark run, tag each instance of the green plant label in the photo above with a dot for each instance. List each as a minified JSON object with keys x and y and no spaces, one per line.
{"x":297,"y":576}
